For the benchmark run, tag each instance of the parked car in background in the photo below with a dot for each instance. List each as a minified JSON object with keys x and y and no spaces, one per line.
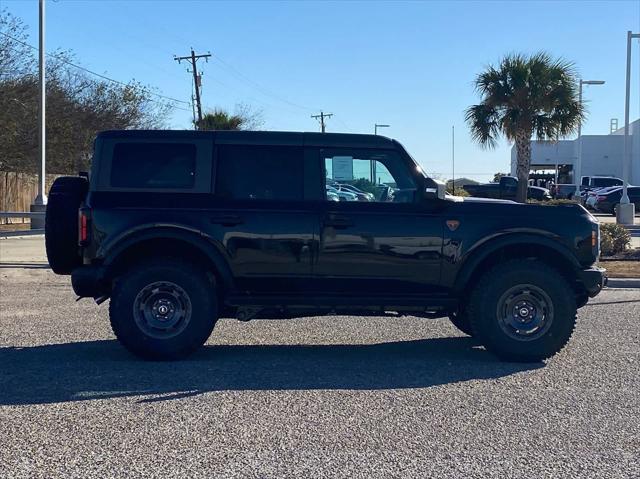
{"x":342,"y":194}
{"x":563,"y":191}
{"x":608,"y":201}
{"x":592,"y":182}
{"x":506,"y":190}
{"x":361,"y":195}
{"x":591,"y":197}
{"x":331,"y":196}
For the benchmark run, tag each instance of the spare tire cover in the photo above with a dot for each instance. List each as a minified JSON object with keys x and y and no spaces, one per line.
{"x":61,"y":223}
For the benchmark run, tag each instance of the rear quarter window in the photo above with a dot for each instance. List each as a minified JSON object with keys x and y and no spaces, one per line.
{"x":150,"y":165}
{"x":153,"y":165}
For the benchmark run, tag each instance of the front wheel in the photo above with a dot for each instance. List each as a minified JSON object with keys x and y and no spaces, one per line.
{"x":523,"y":310}
{"x":163,"y":310}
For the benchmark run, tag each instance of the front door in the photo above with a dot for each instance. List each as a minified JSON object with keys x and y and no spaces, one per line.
{"x":384,"y":241}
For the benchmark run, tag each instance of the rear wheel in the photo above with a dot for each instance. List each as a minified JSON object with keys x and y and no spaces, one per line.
{"x":165,"y":309}
{"x":461,"y":321}
{"x":523,"y":310}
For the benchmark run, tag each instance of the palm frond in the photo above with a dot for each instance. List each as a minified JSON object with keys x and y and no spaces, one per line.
{"x":483,"y":120}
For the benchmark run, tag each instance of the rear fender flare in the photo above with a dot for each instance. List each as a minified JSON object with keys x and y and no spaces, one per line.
{"x":206,"y":245}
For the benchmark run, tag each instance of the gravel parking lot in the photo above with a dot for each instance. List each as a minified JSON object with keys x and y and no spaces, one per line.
{"x":314,"y":397}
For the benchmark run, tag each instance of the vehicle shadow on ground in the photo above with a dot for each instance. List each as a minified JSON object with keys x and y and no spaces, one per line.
{"x":103,"y":369}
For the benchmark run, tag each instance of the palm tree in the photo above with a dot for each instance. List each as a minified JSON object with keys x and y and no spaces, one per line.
{"x":525,"y":97}
{"x":243,"y":118}
{"x":219,"y":119}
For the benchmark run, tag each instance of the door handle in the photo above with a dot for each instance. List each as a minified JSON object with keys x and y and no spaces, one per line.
{"x":338,"y":221}
{"x":226,"y":220}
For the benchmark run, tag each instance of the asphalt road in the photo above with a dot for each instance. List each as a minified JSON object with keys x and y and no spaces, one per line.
{"x":314,"y":397}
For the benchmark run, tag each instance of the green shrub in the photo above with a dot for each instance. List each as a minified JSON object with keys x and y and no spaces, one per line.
{"x":614,"y":239}
{"x":559,"y":201}
{"x":458,"y":191}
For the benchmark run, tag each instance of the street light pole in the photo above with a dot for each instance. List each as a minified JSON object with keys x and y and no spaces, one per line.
{"x":453,"y":159}
{"x":626,"y":209}
{"x":577,"y":170}
{"x":41,"y":199}
{"x":374,"y":173}
{"x":375,"y":131}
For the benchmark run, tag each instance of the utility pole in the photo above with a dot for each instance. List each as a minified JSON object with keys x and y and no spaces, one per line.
{"x":193,"y":59}
{"x":322,"y":116}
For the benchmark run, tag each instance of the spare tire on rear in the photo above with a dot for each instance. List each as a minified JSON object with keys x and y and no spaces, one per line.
{"x":61,"y":223}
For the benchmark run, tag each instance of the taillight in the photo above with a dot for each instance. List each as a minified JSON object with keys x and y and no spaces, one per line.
{"x":601,"y":198}
{"x":83,"y":226}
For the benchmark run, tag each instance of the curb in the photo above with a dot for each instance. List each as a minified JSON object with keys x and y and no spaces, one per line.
{"x":623,"y":283}
{"x":19,"y":234}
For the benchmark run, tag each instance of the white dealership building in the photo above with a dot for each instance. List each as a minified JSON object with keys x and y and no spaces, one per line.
{"x":601,"y":156}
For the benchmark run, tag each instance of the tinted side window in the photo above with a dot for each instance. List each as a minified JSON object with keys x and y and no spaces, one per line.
{"x":260,"y":172}
{"x":367,"y":175}
{"x":153,"y":165}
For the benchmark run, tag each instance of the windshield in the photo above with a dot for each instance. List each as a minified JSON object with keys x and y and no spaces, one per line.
{"x":417,"y":165}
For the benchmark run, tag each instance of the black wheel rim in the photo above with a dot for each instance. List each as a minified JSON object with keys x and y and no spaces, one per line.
{"x":162,"y":310}
{"x":525,"y":312}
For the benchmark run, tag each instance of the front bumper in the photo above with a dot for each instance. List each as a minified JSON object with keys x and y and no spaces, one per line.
{"x":593,"y":279}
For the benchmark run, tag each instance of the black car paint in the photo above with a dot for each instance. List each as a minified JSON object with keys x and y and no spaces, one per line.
{"x":355,"y":249}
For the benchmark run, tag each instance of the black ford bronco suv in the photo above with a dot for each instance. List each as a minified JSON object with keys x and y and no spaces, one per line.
{"x":179,"y":228}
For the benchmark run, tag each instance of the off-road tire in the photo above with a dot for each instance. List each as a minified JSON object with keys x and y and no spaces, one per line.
{"x":460,"y":320}
{"x":483,"y":310}
{"x":61,"y":223}
{"x":203,"y":302}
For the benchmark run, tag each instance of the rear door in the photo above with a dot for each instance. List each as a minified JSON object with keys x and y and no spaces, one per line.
{"x":389,"y":245}
{"x":266,"y":226}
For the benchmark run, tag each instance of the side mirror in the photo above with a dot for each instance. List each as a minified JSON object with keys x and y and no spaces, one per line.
{"x":434,"y":189}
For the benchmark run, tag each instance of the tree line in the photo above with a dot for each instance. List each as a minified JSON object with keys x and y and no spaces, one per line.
{"x":78,"y":105}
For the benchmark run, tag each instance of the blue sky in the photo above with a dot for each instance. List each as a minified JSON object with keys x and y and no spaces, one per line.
{"x":410,"y":65}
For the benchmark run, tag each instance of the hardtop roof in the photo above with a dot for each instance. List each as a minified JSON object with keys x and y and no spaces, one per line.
{"x":290,"y":138}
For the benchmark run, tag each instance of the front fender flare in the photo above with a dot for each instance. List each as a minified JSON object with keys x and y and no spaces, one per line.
{"x":481,"y":251}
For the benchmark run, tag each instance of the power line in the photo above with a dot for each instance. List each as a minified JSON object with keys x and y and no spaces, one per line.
{"x":67,"y":62}
{"x":346,"y":127}
{"x":258,"y":87}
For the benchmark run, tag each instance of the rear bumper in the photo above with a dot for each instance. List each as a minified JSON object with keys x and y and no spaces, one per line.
{"x":89,"y":281}
{"x":593,"y":279}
